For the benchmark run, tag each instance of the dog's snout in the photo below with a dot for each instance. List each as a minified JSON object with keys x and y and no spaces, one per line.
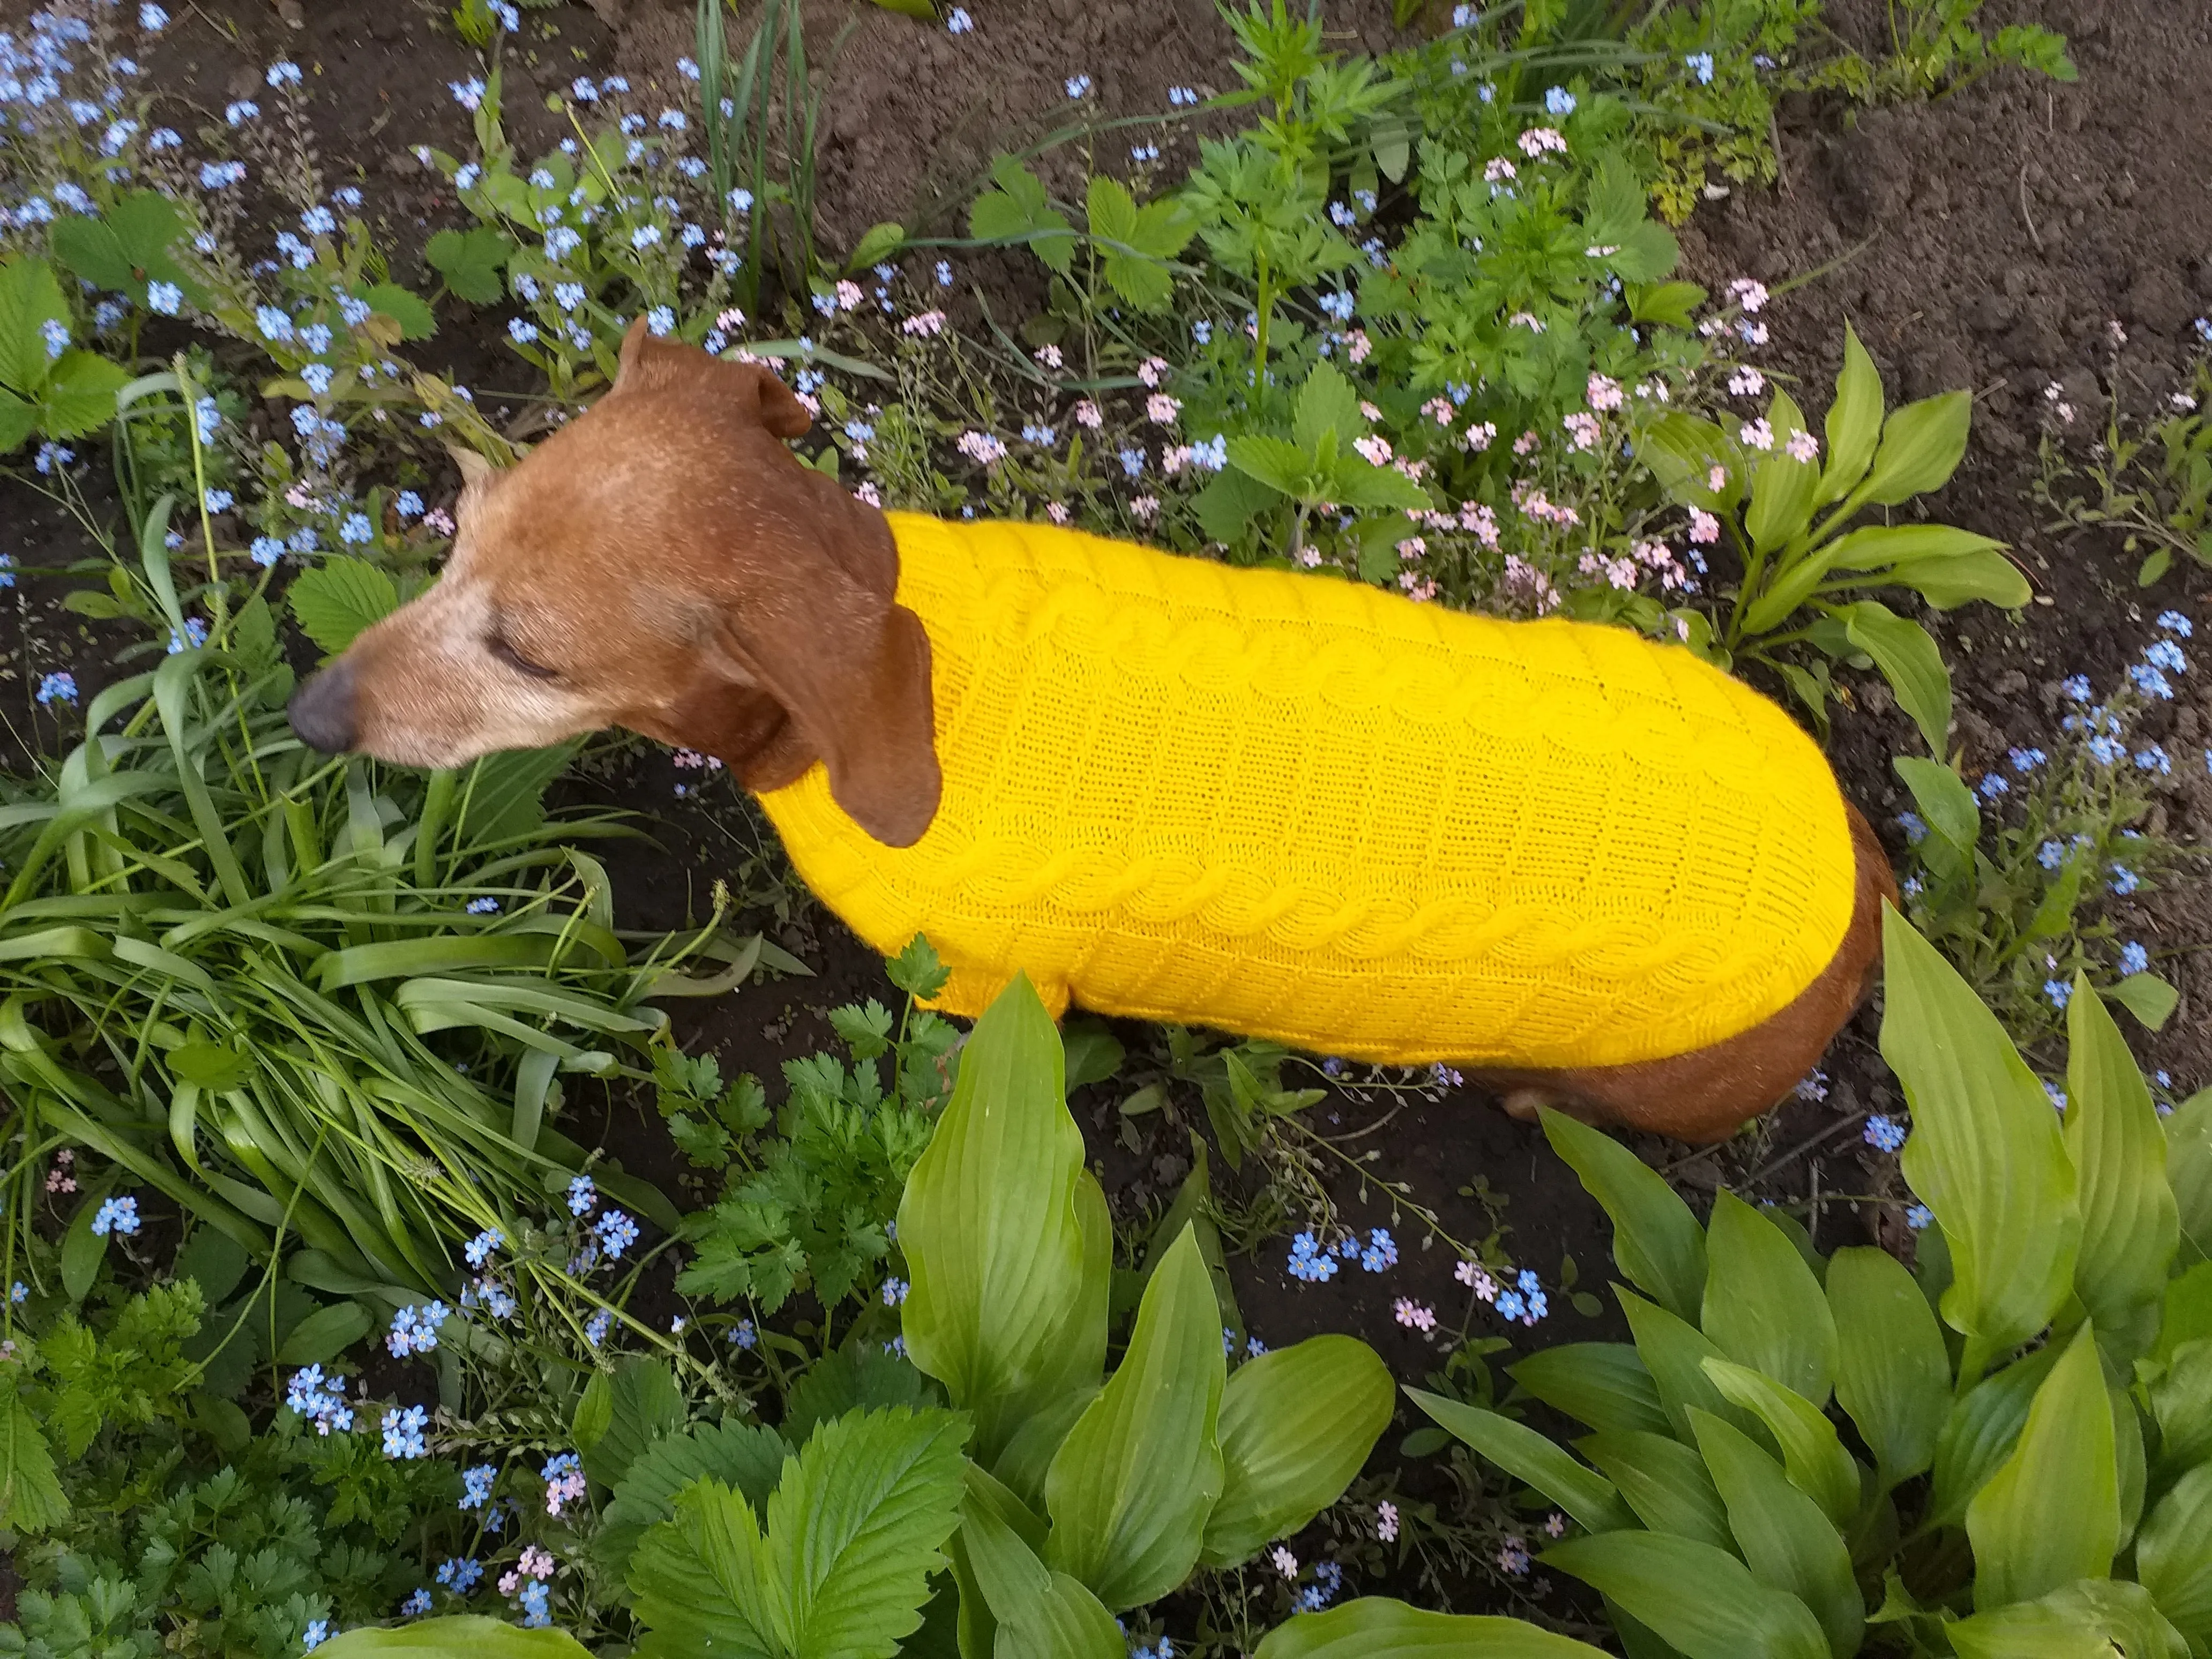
{"x":322,"y":709}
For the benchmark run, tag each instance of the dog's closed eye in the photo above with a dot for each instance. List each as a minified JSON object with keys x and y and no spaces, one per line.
{"x":513,"y":659}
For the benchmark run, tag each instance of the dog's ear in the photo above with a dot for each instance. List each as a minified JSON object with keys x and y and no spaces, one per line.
{"x":650,"y":364}
{"x":847,"y":667}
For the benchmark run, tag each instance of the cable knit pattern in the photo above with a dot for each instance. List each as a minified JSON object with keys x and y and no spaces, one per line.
{"x":1298,"y":808}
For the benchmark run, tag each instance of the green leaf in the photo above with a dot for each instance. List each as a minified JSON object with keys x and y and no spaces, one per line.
{"x":2186,"y":1317}
{"x":1980,"y":1432}
{"x":2173,"y":1553}
{"x":1225,"y":506}
{"x":1988,"y":577}
{"x":1295,"y":1426}
{"x":1277,"y":463}
{"x":1892,"y":1375}
{"x":1786,"y":1540}
{"x":409,"y":310}
{"x":1664,"y":1481}
{"x":989,"y":1223}
{"x":2131,"y":1225}
{"x":470,"y":261}
{"x":1908,"y":661}
{"x":1372,"y":488}
{"x":1603,"y":1384}
{"x":31,"y":1496}
{"x":2181,"y":1402}
{"x":1762,"y":1307}
{"x":82,"y":1249}
{"x":1529,"y":1456}
{"x":338,"y":600}
{"x":1854,"y":424}
{"x":1376,"y":1627}
{"x":701,"y":1580}
{"x":1812,"y":1455}
{"x":876,"y":245}
{"x":1666,"y":305}
{"x":324,"y":1334}
{"x":2189,"y":1171}
{"x":624,"y":1412}
{"x":1946,"y":804}
{"x":1781,"y":486}
{"x":1699,"y":1600}
{"x":853,"y":1530}
{"x":29,"y":298}
{"x":2094,"y":1618}
{"x":1921,"y":447}
{"x":18,"y":421}
{"x":1657,"y":1242}
{"x":79,"y":396}
{"x":2149,"y":998}
{"x":860,"y":1375}
{"x":1018,"y":211}
{"x":1091,"y":1054}
{"x":1130,"y":1488}
{"x":1135,"y":243}
{"x":1985,"y":1152}
{"x":1674,"y":1352}
{"x":1326,"y":402}
{"x":462,"y":1636}
{"x":2051,"y":1513}
{"x":748,"y":1457}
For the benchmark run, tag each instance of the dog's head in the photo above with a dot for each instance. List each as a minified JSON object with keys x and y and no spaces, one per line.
{"x":663,"y":563}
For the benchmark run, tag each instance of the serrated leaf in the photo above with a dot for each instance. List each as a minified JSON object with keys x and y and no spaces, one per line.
{"x":622,"y":1413}
{"x":1295,"y":1426}
{"x":31,"y":1496}
{"x":1657,"y":1242}
{"x":1762,"y":1306}
{"x":470,"y":261}
{"x":1326,"y":402}
{"x":18,"y":420}
{"x":857,"y":1377}
{"x":1279,"y":465}
{"x":1017,"y":211}
{"x":700,"y":1580}
{"x":747,"y":1457}
{"x":1377,"y":1627}
{"x":79,"y":397}
{"x":1225,"y":506}
{"x":29,"y":297}
{"x":409,"y":310}
{"x":338,"y":600}
{"x":1985,"y":1152}
{"x":1892,"y":1375}
{"x":2050,"y":1514}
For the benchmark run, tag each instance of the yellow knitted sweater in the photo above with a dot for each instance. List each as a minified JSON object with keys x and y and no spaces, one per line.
{"x":1297,"y":808}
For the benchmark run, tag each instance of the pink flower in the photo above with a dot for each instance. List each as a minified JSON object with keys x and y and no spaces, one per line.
{"x":1386,"y":1522}
{"x":440,"y":521}
{"x":1526,"y":443}
{"x":1374,"y":450}
{"x":1144,"y":508}
{"x":565,"y":1489}
{"x":1513,"y":1556}
{"x":1748,"y":295}
{"x":1419,"y":590}
{"x":1412,"y":468}
{"x":1357,"y":345}
{"x":1717,"y":478}
{"x":981,"y":446}
{"x":1150,"y":369}
{"x":1050,"y":358}
{"x":1173,"y":459}
{"x":1413,"y":1316}
{"x":1479,"y":522}
{"x":1056,"y":511}
{"x":1497,"y":169}
{"x":809,"y":402}
{"x":1412,"y":548}
{"x":1654,"y":389}
{"x":1802,"y":446}
{"x":849,"y":296}
{"x":730,"y":319}
{"x":1439,"y":410}
{"x":1087,"y":414}
{"x":928,"y":322}
{"x":1621,"y":572}
{"x":1471,"y":1274}
{"x":1758,"y":434}
{"x":1746,"y":382}
{"x":1704,"y":528}
{"x":1537,"y":140}
{"x":1604,"y":392}
{"x":1478,"y":437}
{"x":1370,"y":411}
{"x":1310,"y":557}
{"x":536,"y":1563}
{"x":1527,"y":320}
{"x":1555,"y":1524}
{"x":509,"y":1583}
{"x":869,"y":493}
{"x":1583,"y":428}
{"x":1286,"y":1563}
{"x":1161,"y":410}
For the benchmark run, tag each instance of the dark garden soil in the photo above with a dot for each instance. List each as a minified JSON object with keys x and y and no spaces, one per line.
{"x":1987,"y":240}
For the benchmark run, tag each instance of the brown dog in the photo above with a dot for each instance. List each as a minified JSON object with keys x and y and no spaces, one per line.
{"x":665,"y":563}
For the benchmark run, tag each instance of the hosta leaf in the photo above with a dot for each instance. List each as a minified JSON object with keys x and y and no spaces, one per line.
{"x":2173,"y":1554}
{"x":1295,"y":1424}
{"x":1657,"y":1242}
{"x":1664,"y":1481}
{"x":1786,"y":1539}
{"x":1909,"y":659}
{"x":1762,"y":1307}
{"x":2093,"y":1619}
{"x":1812,"y":1453}
{"x":1699,"y":1600}
{"x":2131,"y":1225}
{"x":1674,"y":1352}
{"x":1603,"y":1384}
{"x":1523,"y":1453}
{"x":2052,"y":1512}
{"x":1922,"y":445}
{"x":1377,"y":1627}
{"x":463,"y":1636}
{"x":1892,"y":1375}
{"x":1854,"y":421}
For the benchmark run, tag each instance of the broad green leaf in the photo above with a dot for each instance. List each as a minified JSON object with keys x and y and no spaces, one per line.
{"x":2093,"y":1618}
{"x":2051,"y":1513}
{"x":1781,"y":486}
{"x":2131,"y":1225}
{"x":79,"y":396}
{"x":1326,"y":402}
{"x":470,"y":261}
{"x":1682,"y":450}
{"x":1657,"y":1242}
{"x":416,"y":319}
{"x":1603,"y":1384}
{"x":1295,"y":1426}
{"x":876,"y":245}
{"x":82,"y":1249}
{"x":1921,"y":447}
{"x":1985,"y":1154}
{"x":337,"y":601}
{"x":853,"y":1529}
{"x":622,"y":1413}
{"x":89,"y":248}
{"x":1699,"y":1600}
{"x":2173,"y":1553}
{"x":462,"y":1636}
{"x":857,"y":1377}
{"x":1358,"y":484}
{"x":1908,"y":661}
{"x":701,"y":1580}
{"x":1953,"y":582}
{"x":18,"y":421}
{"x":1066,"y":1622}
{"x":1130,"y":1489}
{"x":2181,"y":1402}
{"x":1530,"y":1456}
{"x":1905,"y":547}
{"x":1893,"y":1374}
{"x":1812,"y":1453}
{"x":1762,"y":1307}
{"x":324,"y":1334}
{"x":2189,"y":1171}
{"x":989,"y":1222}
{"x":1669,"y":305}
{"x":1854,"y":422}
{"x":1075,"y":1359}
{"x":1947,"y":805}
{"x":1376,"y":1627}
{"x":29,"y":298}
{"x":1980,"y":1432}
{"x":1226,"y":505}
{"x":747,"y":1457}
{"x":2187,"y":1313}
{"x":1018,"y":211}
{"x":1664,"y":1481}
{"x":1275,"y":463}
{"x":31,"y":1496}
{"x":1786,"y":1540}
{"x":1674,"y":1352}
{"x":2149,"y":998}
{"x":1133,"y":245}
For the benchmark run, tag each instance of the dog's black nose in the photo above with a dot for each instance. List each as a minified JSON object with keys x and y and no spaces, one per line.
{"x":322,"y":709}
